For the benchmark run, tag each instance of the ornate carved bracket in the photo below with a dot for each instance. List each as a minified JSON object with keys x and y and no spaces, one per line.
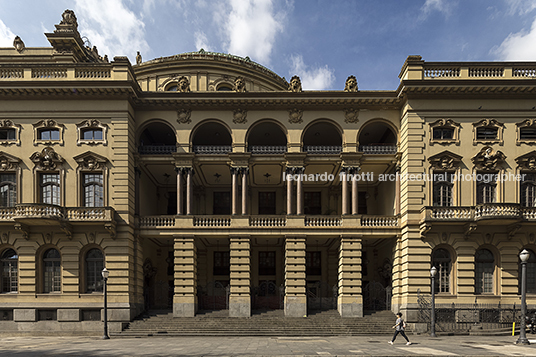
{"x":110,"y":227}
{"x":513,"y":229}
{"x":468,"y":229}
{"x":24,"y":229}
{"x":488,"y":160}
{"x":424,"y":229}
{"x":67,"y":229}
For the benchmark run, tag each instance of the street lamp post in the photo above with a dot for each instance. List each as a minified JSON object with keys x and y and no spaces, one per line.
{"x":105,"y":274}
{"x":522,"y":340}
{"x":433,"y":273}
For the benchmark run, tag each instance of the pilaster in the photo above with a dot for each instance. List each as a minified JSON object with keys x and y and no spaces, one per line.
{"x":350,"y":299}
{"x":185,"y":297}
{"x":295,"y":278}
{"x":240,"y":297}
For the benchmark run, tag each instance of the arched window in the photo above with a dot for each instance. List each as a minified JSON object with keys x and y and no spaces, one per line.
{"x":93,"y":190}
{"x":10,"y":272}
{"x":50,"y":188}
{"x":531,"y":273}
{"x":441,"y":260}
{"x":94,"y":266}
{"x":52,"y":271}
{"x":528,"y":189}
{"x":485,"y":267}
{"x":8,"y":190}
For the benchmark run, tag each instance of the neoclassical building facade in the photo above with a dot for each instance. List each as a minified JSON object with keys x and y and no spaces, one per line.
{"x":205,"y":181}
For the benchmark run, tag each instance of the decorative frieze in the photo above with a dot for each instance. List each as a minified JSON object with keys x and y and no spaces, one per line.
{"x":183,"y":116}
{"x":295,"y":116}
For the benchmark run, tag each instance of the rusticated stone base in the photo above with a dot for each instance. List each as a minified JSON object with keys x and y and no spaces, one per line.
{"x":296,"y":306}
{"x":239,"y":306}
{"x":350,"y":306}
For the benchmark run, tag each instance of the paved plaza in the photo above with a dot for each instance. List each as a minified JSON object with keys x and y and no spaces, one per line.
{"x":265,"y":346}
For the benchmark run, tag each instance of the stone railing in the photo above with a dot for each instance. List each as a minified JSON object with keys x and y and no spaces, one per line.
{"x":490,"y":70}
{"x":508,"y":211}
{"x":213,"y":149}
{"x":10,"y":73}
{"x":212,"y":221}
{"x":379,"y":221}
{"x":7,"y":214}
{"x":157,"y":149}
{"x":157,"y":221}
{"x":449,"y":213}
{"x":49,"y":73}
{"x":529,"y":213}
{"x":497,"y":210}
{"x":33,"y":210}
{"x":118,"y":70}
{"x":90,"y":214}
{"x":93,"y":73}
{"x":38,"y":211}
{"x":259,"y":149}
{"x":267,"y":221}
{"x":379,"y":149}
{"x":441,"y":72}
{"x":323,"y":221}
{"x":312,"y":149}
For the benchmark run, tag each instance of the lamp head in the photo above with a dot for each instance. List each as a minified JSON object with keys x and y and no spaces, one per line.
{"x":433,"y":272}
{"x":524,"y":255}
{"x":105,"y":273}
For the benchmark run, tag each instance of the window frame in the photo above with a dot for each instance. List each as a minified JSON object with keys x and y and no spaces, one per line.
{"x":525,"y":124}
{"x":97,"y":272}
{"x":488,"y":124}
{"x":482,"y":268}
{"x":48,"y":124}
{"x":11,"y":278}
{"x":53,"y":284}
{"x":90,"y":163}
{"x":444,"y":273}
{"x":7,"y":124}
{"x":531,"y":272}
{"x":445,"y":124}
{"x":91,"y":124}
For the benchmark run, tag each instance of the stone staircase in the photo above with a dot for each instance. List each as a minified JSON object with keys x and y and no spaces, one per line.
{"x":261,"y":323}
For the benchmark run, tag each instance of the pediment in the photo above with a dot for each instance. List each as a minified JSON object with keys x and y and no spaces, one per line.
{"x":445,"y":160}
{"x":90,"y":161}
{"x":488,"y":159}
{"x":527,"y":161}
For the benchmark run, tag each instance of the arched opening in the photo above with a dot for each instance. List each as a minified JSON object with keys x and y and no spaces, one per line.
{"x":267,"y":138}
{"x":212,"y":138}
{"x":322,"y":138}
{"x":157,"y":139}
{"x":377,"y":138}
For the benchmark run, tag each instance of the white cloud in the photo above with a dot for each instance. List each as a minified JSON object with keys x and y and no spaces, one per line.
{"x":312,"y":78}
{"x":201,"y":41}
{"x":6,"y":36}
{"x":112,"y":27}
{"x":250,"y":28}
{"x":520,"y":7}
{"x":519,"y":46}
{"x":444,"y":6}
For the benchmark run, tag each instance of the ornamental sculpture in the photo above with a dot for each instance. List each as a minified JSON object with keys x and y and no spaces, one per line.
{"x":184,"y":85}
{"x":527,"y":162}
{"x":351,"y":116}
{"x":486,"y":159}
{"x":47,"y":159}
{"x":183,"y":116}
{"x":239,"y":85}
{"x":18,"y":44}
{"x":138,"y":58}
{"x":351,"y":84}
{"x":295,"y":85}
{"x":69,"y":18}
{"x":445,"y":160}
{"x":239,"y":116}
{"x":295,"y":116}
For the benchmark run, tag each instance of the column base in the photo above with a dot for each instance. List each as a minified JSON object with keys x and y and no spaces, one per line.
{"x":184,"y":306}
{"x":296,"y":306}
{"x":239,"y":306}
{"x":350,"y":306}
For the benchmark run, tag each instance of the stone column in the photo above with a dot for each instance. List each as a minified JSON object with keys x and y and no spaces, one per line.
{"x":245,"y":172}
{"x":344,"y":184}
{"x":240,"y":297}
{"x":289,"y":172}
{"x":295,"y":277}
{"x":234,"y":190}
{"x":179,"y":190}
{"x":299,"y":192}
{"x":189,"y":174}
{"x":350,"y":299}
{"x":355,"y":207}
{"x":397,"y":188}
{"x":185,"y":297}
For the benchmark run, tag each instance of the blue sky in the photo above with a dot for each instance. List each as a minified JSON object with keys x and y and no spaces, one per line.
{"x":322,"y":42}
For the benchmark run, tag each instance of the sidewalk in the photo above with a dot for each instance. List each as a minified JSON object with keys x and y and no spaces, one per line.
{"x":266,"y":346}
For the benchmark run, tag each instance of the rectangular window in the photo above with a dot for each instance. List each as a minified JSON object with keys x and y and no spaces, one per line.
{"x":484,"y":278}
{"x":443,"y":133}
{"x":221,"y":203}
{"x":50,"y":188}
{"x":486,"y":187}
{"x":266,"y":202}
{"x":52,"y":277}
{"x":312,"y":203}
{"x":48,"y":134}
{"x":266,"y":263}
{"x":528,"y":190}
{"x":93,"y":190}
{"x":527,"y":133}
{"x":7,"y":134}
{"x":486,"y":133}
{"x":222,"y":263}
{"x":8,"y":190}
{"x":314,"y":263}
{"x":362,"y":202}
{"x":442,"y":188}
{"x":92,"y":134}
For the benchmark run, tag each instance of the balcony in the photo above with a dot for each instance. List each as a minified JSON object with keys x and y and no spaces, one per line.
{"x":325,"y":150}
{"x":500,"y":212}
{"x":378,"y":149}
{"x":267,"y":150}
{"x":308,"y":223}
{"x":44,"y":214}
{"x":213,"y":149}
{"x":157,"y":149}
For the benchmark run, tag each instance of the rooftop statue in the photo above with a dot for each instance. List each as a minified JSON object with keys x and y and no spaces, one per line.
{"x":295,"y":85}
{"x":239,"y":85}
{"x":183,"y":85}
{"x":69,"y":18}
{"x":351,"y":84}
{"x":18,"y":44}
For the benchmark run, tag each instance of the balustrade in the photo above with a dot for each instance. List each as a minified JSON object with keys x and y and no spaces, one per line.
{"x":497,"y":210}
{"x":451,"y":213}
{"x":379,"y":221}
{"x":312,"y":149}
{"x":93,"y":73}
{"x":441,"y":72}
{"x":267,"y":221}
{"x":49,"y":73}
{"x":322,"y":221}
{"x":529,"y":213}
{"x":212,"y":221}
{"x":379,"y":149}
{"x":7,"y":213}
{"x":258,"y":149}
{"x":486,"y":72}
{"x":157,"y":149}
{"x":213,"y":149}
{"x":157,"y":221}
{"x":524,"y":72}
{"x":8,"y":73}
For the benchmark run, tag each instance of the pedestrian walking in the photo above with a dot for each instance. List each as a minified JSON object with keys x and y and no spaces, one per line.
{"x":399,"y":327}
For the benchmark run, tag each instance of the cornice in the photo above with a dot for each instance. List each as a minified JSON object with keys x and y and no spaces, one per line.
{"x":499,"y":87}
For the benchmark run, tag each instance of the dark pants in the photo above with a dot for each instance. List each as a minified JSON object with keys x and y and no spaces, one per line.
{"x":402,"y":333}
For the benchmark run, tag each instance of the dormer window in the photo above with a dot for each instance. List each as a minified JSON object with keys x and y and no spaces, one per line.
{"x":48,"y":134}
{"x":443,"y":133}
{"x":486,"y":133}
